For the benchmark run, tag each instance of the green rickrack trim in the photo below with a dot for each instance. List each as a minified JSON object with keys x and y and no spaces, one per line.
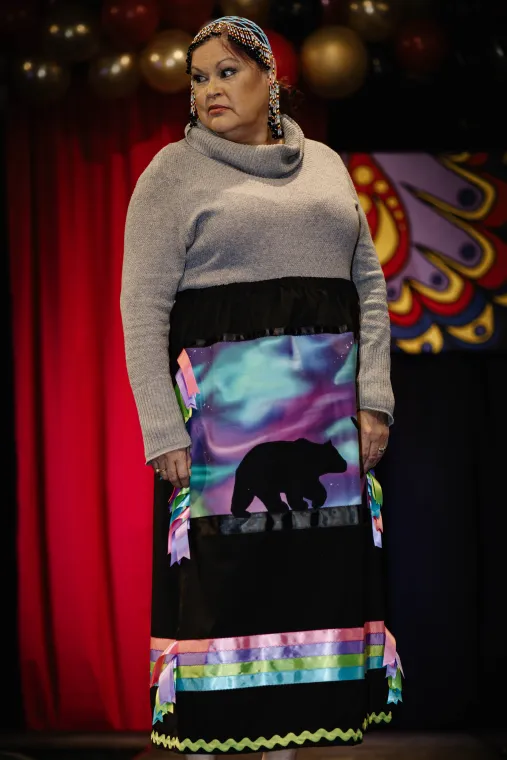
{"x":262,"y":743}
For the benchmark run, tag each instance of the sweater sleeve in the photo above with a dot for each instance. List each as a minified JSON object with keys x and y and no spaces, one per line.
{"x":374,"y":378}
{"x":153,"y":264}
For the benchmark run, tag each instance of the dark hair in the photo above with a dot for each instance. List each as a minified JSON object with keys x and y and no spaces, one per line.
{"x":291,"y":98}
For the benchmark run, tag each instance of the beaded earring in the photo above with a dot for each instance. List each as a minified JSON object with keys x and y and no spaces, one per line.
{"x":274,"y":120}
{"x":193,"y":107}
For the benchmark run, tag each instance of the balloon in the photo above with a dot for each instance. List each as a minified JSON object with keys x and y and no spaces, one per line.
{"x":287,"y":63}
{"x":420,"y":9}
{"x":381,"y":66}
{"x":496,"y":51}
{"x":296,"y":19}
{"x":421,"y":46}
{"x":334,"y":61}
{"x":70,"y":33}
{"x":130,"y":22}
{"x":187,"y":15}
{"x":114,"y":76}
{"x":40,"y":81}
{"x":333,"y":12}
{"x":255,"y":10}
{"x":482,"y":60}
{"x":18,"y":23}
{"x":373,"y":20}
{"x":163,"y":61}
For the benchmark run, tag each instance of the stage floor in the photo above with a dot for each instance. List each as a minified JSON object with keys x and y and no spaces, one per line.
{"x":397,"y":747}
{"x":377,"y":746}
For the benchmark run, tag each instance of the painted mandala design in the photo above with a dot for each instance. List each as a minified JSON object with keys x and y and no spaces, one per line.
{"x":440,"y":228}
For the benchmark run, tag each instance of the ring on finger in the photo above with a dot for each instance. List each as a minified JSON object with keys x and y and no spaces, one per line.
{"x":382,"y":449}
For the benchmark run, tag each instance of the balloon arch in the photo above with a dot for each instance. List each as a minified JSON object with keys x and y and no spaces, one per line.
{"x":330,"y":47}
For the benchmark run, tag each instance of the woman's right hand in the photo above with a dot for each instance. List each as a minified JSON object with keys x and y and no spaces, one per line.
{"x":175,"y":466}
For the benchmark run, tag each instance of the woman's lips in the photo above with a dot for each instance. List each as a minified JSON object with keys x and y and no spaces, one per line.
{"x":217,"y":109}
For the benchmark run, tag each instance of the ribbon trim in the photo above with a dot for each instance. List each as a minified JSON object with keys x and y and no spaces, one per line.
{"x":238,"y":663}
{"x":170,"y":742}
{"x":394,"y":669}
{"x":177,"y":542}
{"x":375,"y":499}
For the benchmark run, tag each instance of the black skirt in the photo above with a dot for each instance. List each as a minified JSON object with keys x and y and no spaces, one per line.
{"x":268,"y":605}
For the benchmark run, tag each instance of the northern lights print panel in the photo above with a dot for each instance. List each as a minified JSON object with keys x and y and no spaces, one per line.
{"x":274,"y":429}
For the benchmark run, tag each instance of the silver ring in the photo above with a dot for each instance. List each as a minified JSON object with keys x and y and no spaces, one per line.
{"x":382,"y":449}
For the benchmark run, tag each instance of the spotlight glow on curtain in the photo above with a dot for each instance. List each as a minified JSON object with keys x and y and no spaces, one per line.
{"x":84,"y":493}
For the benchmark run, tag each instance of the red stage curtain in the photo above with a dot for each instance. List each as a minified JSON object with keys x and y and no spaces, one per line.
{"x":84,"y":494}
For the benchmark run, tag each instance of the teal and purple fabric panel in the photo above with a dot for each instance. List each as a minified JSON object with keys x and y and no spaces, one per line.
{"x":273,"y":428}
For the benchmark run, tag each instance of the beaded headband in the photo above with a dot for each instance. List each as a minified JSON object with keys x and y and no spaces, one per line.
{"x":241,"y":30}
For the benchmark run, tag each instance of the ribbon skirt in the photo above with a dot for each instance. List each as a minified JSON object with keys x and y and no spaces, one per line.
{"x":268,"y":623}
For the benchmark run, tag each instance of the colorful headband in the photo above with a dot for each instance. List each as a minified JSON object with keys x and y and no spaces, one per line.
{"x":243,"y":31}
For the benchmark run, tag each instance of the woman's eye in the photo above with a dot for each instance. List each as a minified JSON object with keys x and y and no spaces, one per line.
{"x":233,"y":71}
{"x":199,"y":77}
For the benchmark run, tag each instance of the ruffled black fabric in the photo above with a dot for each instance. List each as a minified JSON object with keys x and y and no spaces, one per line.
{"x":249,"y":310}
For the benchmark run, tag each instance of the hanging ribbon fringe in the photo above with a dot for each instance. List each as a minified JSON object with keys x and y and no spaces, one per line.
{"x":186,"y":390}
{"x":394,"y":670}
{"x":374,"y":499}
{"x":164,"y":678}
{"x":191,"y":388}
{"x":177,"y":543}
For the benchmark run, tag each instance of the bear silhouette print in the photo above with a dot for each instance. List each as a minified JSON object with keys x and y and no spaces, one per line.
{"x":289,"y":467}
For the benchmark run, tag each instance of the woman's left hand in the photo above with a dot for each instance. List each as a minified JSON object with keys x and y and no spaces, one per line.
{"x":374,"y":435}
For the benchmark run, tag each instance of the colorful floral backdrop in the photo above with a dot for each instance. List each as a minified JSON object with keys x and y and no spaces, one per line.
{"x":440,"y":228}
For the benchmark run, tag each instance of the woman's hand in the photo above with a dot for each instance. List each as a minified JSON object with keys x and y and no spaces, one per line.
{"x":175,"y":466}
{"x":373,"y":437}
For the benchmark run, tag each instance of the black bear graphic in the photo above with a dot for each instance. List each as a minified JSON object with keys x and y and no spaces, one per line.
{"x":289,"y":467}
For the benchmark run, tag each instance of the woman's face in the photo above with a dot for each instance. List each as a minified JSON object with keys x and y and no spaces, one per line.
{"x":220,"y":77}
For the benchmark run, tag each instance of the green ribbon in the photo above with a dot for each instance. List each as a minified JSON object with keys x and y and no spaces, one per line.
{"x":273,"y":666}
{"x":186,"y":412}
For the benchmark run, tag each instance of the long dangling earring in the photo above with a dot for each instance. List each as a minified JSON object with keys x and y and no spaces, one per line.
{"x":274,"y":120}
{"x":193,"y":108}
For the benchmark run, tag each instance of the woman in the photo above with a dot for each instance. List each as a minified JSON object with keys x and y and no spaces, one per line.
{"x":249,"y":242}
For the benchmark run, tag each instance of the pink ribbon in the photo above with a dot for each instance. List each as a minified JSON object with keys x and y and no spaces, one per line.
{"x":188,"y":373}
{"x":177,"y":543}
{"x":391,"y":658}
{"x":165,"y":678}
{"x":377,"y":532}
{"x":259,"y":641}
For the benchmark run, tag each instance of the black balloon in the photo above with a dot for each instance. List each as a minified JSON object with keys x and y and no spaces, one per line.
{"x":381,"y":65}
{"x":296,"y":19}
{"x":40,"y":80}
{"x":497,"y":56}
{"x":464,"y":10}
{"x":482,"y":61}
{"x":70,"y":33}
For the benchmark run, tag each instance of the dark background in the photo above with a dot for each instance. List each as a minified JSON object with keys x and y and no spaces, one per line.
{"x":444,"y":473}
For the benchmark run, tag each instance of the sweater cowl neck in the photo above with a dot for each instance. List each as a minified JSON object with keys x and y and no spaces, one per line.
{"x":259,"y":160}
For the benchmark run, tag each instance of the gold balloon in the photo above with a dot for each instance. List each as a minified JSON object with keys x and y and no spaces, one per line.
{"x":40,"y":81}
{"x":255,"y":10}
{"x":334,"y":61}
{"x":70,"y":33}
{"x":373,"y":20}
{"x":163,"y":61}
{"x":114,"y":76}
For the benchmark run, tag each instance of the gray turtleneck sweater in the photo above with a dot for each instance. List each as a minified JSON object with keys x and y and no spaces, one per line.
{"x":209,"y":211}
